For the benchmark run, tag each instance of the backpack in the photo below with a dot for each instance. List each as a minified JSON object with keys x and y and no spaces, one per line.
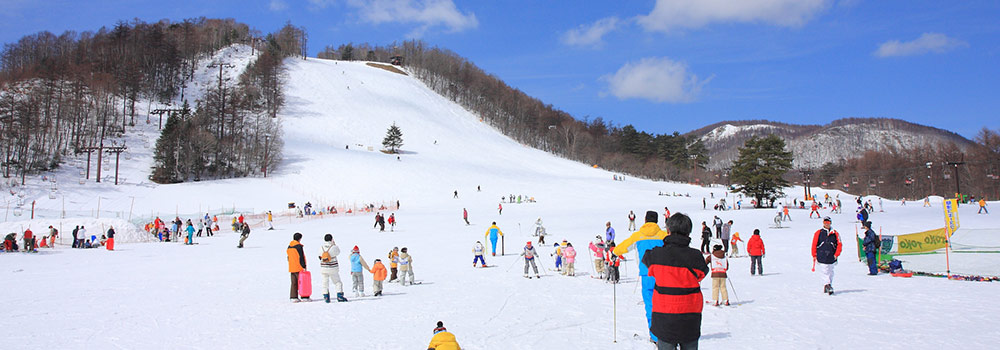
{"x":878,"y":243}
{"x":326,"y":255}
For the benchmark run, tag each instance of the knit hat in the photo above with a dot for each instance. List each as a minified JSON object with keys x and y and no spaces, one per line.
{"x":529,"y":243}
{"x":440,"y":328}
{"x":651,"y":216}
{"x":355,"y":250}
{"x":403,"y":250}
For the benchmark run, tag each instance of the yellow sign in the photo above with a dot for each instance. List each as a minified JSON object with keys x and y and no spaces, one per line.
{"x":951,"y":215}
{"x":922,"y":241}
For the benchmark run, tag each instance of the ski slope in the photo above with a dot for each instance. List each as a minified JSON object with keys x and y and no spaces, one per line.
{"x":212,"y":295}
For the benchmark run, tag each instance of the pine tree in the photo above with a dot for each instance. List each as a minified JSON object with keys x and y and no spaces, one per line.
{"x":393,"y":139}
{"x":167,"y":148}
{"x":760,"y":168}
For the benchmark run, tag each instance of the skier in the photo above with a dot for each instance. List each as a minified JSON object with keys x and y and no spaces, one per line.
{"x":704,"y":204}
{"x":465,"y":216}
{"x":631,"y":221}
{"x":728,"y":227}
{"x":243,"y":235}
{"x":111,"y":238}
{"x":733,"y":243}
{"x":270,"y":220}
{"x":500,"y":209}
{"x":718,"y":226}
{"x":296,"y":264}
{"x":329,"y":268}
{"x":784,"y":210}
{"x":982,"y":206}
{"x":614,"y":262}
{"x":405,"y":267}
{"x":393,"y":263}
{"x":443,"y":340}
{"x":357,"y":274}
{"x":538,"y":227}
{"x":826,"y":248}
{"x":927,"y":201}
{"x":190,"y":233}
{"x":529,"y":254}
{"x":755,"y":247}
{"x":871,"y":244}
{"x":677,"y":271}
{"x":392,"y":222}
{"x":814,"y":209}
{"x":558,"y":255}
{"x":609,"y":233}
{"x":456,"y":194}
{"x":719,"y":264}
{"x":597,"y":248}
{"x":478,"y":251}
{"x":492,"y":233}
{"x":648,"y":237}
{"x":706,"y":236}
{"x":381,"y":223}
{"x":569,"y":258}
{"x":75,"y":231}
{"x":378,"y":277}
{"x":666,"y":216}
{"x":862,"y":214}
{"x":378,"y":216}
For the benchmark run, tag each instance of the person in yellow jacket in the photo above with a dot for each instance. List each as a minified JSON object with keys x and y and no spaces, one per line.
{"x":982,"y":206}
{"x":493,"y":233}
{"x":648,"y":236}
{"x":393,"y":263}
{"x":443,"y":340}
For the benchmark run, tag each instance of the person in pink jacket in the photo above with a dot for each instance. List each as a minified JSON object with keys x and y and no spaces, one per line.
{"x":569,"y":258}
{"x":597,"y":247}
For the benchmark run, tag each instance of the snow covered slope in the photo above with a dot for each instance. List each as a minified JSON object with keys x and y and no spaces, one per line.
{"x":213,"y":295}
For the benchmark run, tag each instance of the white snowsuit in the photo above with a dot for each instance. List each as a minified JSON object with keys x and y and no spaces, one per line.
{"x":330,"y":270}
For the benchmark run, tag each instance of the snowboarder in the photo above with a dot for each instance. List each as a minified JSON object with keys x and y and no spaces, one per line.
{"x":677,"y":271}
{"x":465,"y":216}
{"x":871,"y":244}
{"x":755,"y":247}
{"x":631,"y":221}
{"x":609,"y":233}
{"x":706,"y":236}
{"x":393,"y":263}
{"x":329,"y":268}
{"x":405,"y":267}
{"x":443,"y":340}
{"x":493,"y":233}
{"x":648,"y":237}
{"x":597,"y":248}
{"x":529,"y":254}
{"x":478,"y":250}
{"x":378,"y":277}
{"x":357,"y":275}
{"x":569,"y":258}
{"x":296,"y":264}
{"x":719,"y":265}
{"x":826,"y":248}
{"x":243,"y":235}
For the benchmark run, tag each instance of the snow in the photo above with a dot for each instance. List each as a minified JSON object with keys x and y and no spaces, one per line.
{"x":728,"y":130}
{"x":212,"y":295}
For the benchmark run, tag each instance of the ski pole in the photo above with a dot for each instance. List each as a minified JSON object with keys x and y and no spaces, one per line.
{"x":511,"y":265}
{"x":734,"y":289}
{"x":814,"y":265}
{"x":614,"y":307}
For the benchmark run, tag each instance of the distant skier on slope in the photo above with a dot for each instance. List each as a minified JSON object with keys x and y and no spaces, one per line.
{"x":631,"y":221}
{"x":465,"y":216}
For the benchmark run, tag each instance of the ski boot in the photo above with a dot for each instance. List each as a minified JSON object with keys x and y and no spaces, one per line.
{"x":537,"y":276}
{"x":828,"y":289}
{"x":326,"y":298}
{"x":340,"y":297}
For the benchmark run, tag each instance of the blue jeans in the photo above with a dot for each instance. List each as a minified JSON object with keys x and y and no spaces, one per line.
{"x":872,"y":262}
{"x":648,"y":283}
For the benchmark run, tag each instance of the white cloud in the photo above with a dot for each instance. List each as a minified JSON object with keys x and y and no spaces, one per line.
{"x":926,"y":43}
{"x":278,"y":5}
{"x":669,"y":15}
{"x":655,"y":79}
{"x":590,"y":35}
{"x":425,"y":13}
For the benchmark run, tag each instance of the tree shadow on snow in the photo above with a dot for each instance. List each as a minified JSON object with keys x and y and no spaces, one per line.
{"x":720,"y":335}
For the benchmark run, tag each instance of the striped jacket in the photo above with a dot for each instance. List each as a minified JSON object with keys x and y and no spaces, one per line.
{"x":677,"y":300}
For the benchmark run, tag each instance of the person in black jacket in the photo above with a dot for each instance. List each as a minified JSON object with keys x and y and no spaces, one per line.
{"x":871,"y":245}
{"x":677,"y":300}
{"x":706,"y":236}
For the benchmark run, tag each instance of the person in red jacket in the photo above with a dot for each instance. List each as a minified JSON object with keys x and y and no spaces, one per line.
{"x":826,"y":248}
{"x":755,"y":247}
{"x":677,"y":301}
{"x":29,"y":241}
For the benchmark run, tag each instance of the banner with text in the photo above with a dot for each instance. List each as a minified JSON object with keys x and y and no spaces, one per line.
{"x":922,"y":241}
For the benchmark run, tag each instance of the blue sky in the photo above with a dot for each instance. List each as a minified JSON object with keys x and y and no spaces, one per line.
{"x":663,"y":66}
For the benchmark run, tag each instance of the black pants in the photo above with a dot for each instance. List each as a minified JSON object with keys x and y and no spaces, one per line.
{"x":705,"y":247}
{"x":664,"y":345}
{"x":725,"y":245}
{"x":755,"y":262}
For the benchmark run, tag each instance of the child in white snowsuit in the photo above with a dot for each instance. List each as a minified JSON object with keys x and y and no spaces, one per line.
{"x":330,"y":268}
{"x":405,"y":266}
{"x":478,"y":250}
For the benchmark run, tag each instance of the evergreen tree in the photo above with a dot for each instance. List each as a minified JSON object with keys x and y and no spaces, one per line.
{"x":393,"y":139}
{"x":760,"y":168}
{"x":167,"y":149}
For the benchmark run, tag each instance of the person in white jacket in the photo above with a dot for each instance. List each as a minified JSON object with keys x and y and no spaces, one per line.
{"x":478,"y":250}
{"x":330,"y":268}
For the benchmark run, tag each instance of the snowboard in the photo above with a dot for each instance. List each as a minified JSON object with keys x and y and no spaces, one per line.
{"x":305,"y":284}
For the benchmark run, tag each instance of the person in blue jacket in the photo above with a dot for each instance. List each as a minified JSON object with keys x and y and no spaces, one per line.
{"x":871,"y":244}
{"x":190,"y":232}
{"x":358,"y":265}
{"x":493,"y":233}
{"x":609,"y":233}
{"x":648,"y":236}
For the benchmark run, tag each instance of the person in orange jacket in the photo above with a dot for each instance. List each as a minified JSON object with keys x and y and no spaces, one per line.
{"x":732,"y":242}
{"x":443,"y":340}
{"x":296,"y":263}
{"x":378,"y":276}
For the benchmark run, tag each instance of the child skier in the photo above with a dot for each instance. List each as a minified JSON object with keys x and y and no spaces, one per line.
{"x":719,"y":264}
{"x":405,"y":267}
{"x":378,"y":276}
{"x":330,"y":268}
{"x":190,"y":233}
{"x":392,"y":222}
{"x":558,"y":255}
{"x":393,"y":263}
{"x":478,"y":250}
{"x":598,"y":253}
{"x":529,"y":254}
{"x":357,"y":276}
{"x":569,"y":258}
{"x":735,"y":252}
{"x":614,"y":262}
